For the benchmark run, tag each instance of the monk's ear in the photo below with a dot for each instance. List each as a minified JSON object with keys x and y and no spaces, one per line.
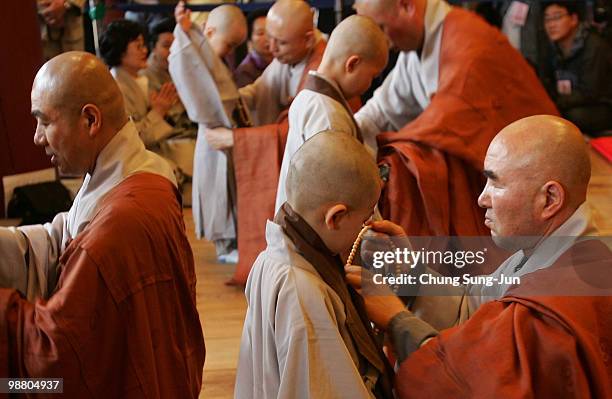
{"x":554,"y":195}
{"x":351,"y":63}
{"x":310,"y":38}
{"x":407,"y":5}
{"x":209,"y":31}
{"x":333,"y":215}
{"x":91,"y":117}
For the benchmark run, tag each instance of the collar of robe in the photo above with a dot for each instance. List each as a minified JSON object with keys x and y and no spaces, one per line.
{"x":330,"y":267}
{"x":320,"y":85}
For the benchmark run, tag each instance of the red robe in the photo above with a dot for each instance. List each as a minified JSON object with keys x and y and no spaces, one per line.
{"x":526,"y":345}
{"x":258,"y":155}
{"x":437,"y":159}
{"x":122,"y":322}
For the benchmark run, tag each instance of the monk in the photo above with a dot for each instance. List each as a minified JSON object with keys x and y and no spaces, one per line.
{"x":110,"y":284}
{"x":305,"y":334}
{"x":457,"y":82}
{"x":357,"y":52}
{"x":205,"y":84}
{"x":547,"y":336}
{"x":297,"y":48}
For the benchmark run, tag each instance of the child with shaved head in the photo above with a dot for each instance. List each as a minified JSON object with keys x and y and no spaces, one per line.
{"x":357,"y":52}
{"x":207,"y":89}
{"x":305,"y":334}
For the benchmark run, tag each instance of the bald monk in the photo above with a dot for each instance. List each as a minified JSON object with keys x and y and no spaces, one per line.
{"x":547,"y":337}
{"x":206,"y":86}
{"x":297,"y":48}
{"x":305,"y":334}
{"x":457,"y":82}
{"x":110,"y":285}
{"x":356,"y":53}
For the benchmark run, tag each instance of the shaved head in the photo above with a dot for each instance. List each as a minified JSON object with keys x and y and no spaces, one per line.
{"x":290,"y":29}
{"x":293,"y":15}
{"x":546,"y":148}
{"x":227,"y":18}
{"x":226,"y":29}
{"x":402,"y":20}
{"x":332,"y":167}
{"x":357,"y":35}
{"x":73,"y":79}
{"x":78,"y":107}
{"x":538,"y":171}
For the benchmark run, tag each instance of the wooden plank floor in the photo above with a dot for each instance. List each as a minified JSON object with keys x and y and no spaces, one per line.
{"x":222,"y":308}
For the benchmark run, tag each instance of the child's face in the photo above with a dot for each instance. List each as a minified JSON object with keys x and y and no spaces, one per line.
{"x":223,"y":43}
{"x":348,"y":225}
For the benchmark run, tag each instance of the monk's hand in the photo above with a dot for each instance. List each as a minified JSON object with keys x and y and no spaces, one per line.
{"x":164,"y":99}
{"x":53,"y":12}
{"x":219,"y":138}
{"x":381,"y":304}
{"x":183,"y":16}
{"x":386,"y":227}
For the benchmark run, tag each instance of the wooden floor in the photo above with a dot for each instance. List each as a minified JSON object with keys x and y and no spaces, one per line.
{"x":222,"y":308}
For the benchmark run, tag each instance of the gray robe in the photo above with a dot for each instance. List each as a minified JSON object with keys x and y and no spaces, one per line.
{"x":209,"y":95}
{"x":295,"y":343}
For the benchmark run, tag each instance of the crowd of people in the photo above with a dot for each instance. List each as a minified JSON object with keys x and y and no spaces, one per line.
{"x":468,"y":135}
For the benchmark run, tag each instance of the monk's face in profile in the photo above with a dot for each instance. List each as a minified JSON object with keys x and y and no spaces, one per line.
{"x":289,"y":45}
{"x":401,"y":20}
{"x":63,"y":134}
{"x":511,"y":197}
{"x":225,"y":41}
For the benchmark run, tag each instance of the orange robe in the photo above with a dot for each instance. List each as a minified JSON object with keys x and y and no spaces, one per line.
{"x":258,"y":155}
{"x":122,"y":322}
{"x":436,"y":160}
{"x":528,"y":344}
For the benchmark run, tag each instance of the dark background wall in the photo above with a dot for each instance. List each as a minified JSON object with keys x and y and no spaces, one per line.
{"x":20,"y":58}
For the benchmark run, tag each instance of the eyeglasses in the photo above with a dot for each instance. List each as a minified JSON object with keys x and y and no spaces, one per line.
{"x":554,"y":18}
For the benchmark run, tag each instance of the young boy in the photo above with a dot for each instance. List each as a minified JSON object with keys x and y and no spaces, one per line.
{"x":198,"y":71}
{"x":305,"y":334}
{"x":357,"y":52}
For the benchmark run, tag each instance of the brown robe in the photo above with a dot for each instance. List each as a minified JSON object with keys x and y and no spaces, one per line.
{"x":436,"y":161}
{"x":122,"y":322}
{"x":528,"y":344}
{"x":258,"y":155}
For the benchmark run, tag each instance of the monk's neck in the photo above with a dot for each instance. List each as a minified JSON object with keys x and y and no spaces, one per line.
{"x":328,"y":72}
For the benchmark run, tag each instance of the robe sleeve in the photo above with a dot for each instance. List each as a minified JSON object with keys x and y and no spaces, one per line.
{"x":64,"y":337}
{"x":393,"y":103}
{"x":505,"y":350}
{"x":313,"y":359}
{"x":262,"y":97}
{"x":30,"y":256}
{"x":190,"y":63}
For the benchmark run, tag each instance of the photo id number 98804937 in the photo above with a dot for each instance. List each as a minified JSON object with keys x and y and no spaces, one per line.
{"x":31,"y":385}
